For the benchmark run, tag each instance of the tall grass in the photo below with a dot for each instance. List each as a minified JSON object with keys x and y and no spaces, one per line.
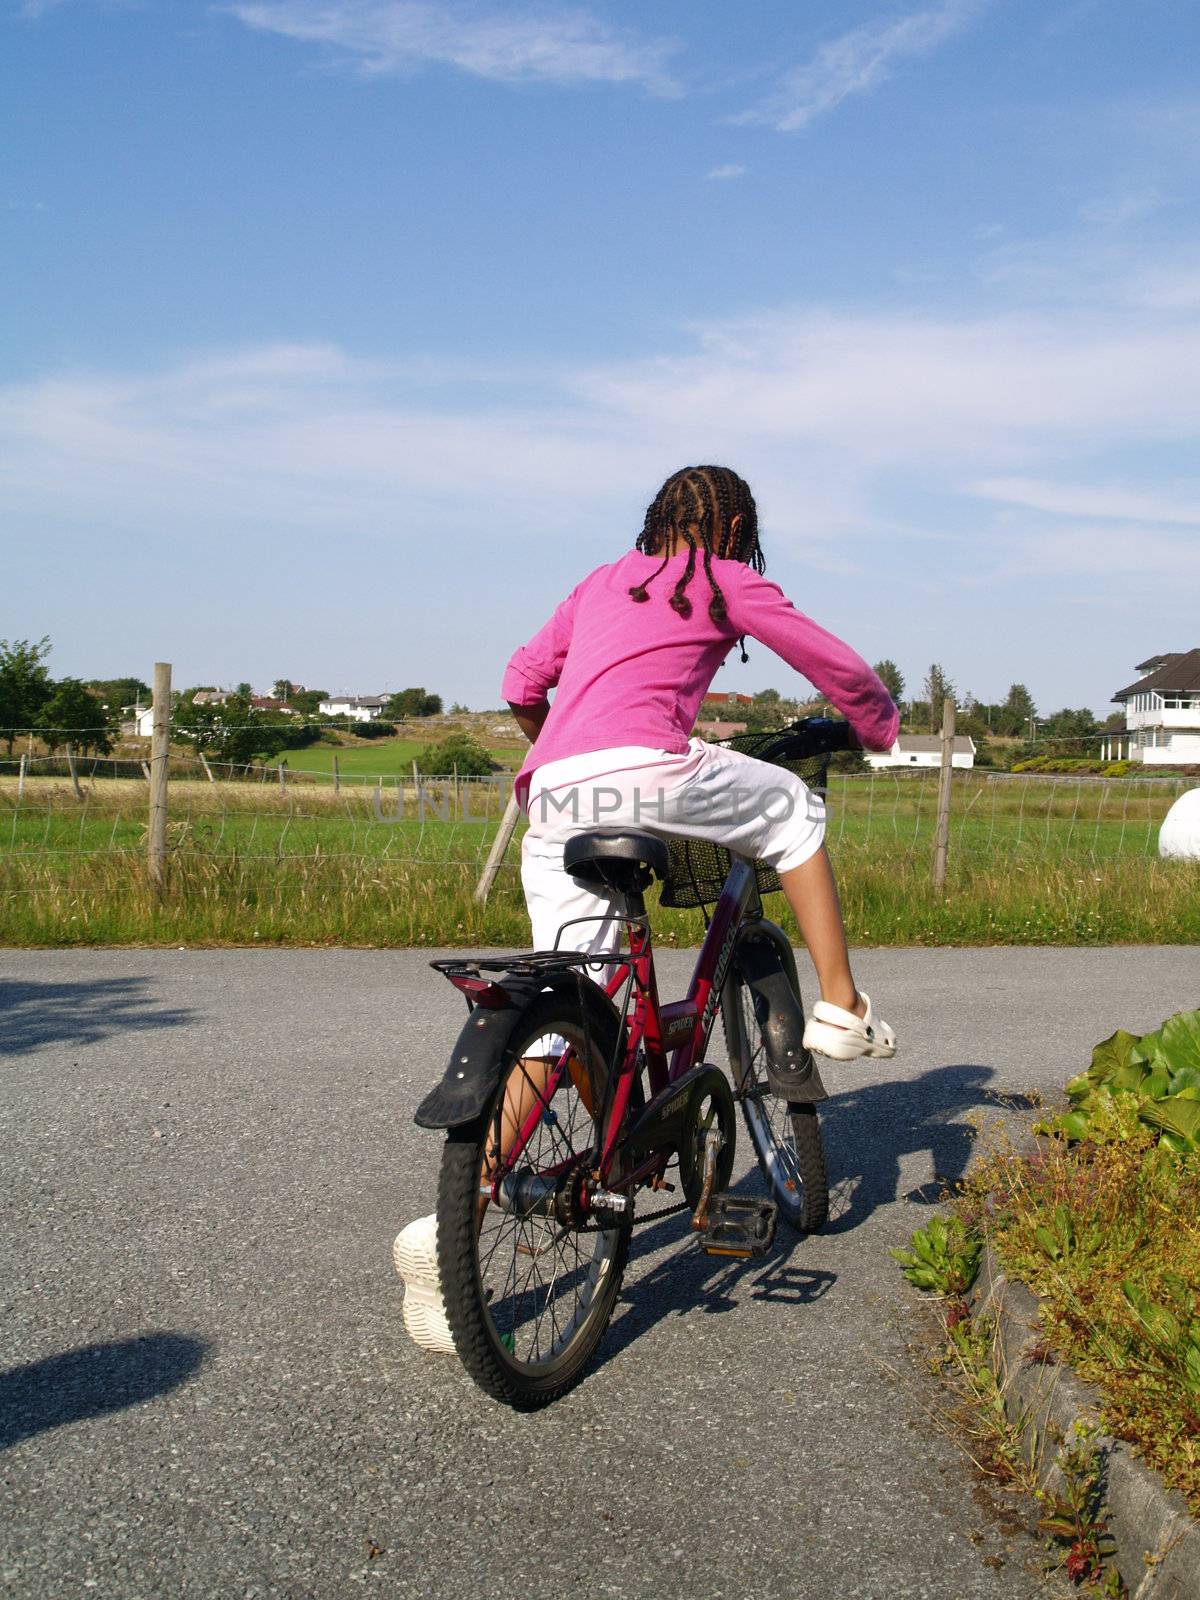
{"x":343,"y":900}
{"x":1030,"y":863}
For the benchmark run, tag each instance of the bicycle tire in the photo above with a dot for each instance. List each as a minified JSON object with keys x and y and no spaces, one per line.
{"x":786,"y":1136}
{"x":497,"y":1309}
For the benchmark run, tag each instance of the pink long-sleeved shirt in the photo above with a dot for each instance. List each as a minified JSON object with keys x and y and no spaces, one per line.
{"x":630,"y":674}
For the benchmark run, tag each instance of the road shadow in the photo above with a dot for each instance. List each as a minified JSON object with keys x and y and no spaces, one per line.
{"x":867,"y":1132}
{"x":34,"y":1014}
{"x":93,"y":1380}
{"x":687,"y":1280}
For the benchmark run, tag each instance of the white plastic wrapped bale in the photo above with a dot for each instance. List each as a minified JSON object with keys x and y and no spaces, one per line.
{"x":1179,"y":836}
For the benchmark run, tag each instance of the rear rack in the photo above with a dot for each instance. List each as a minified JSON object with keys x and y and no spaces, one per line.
{"x":524,"y":963}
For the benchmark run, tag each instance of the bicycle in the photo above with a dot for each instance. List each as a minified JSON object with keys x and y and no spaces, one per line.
{"x":565,"y":1097}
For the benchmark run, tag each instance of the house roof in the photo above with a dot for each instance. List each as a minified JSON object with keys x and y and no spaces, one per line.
{"x":1178,"y":674}
{"x":355,"y":700}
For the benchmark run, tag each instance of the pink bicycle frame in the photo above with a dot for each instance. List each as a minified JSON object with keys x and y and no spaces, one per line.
{"x":672,"y":1036}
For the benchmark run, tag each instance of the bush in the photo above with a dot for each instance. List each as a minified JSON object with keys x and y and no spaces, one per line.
{"x":457,"y":752}
{"x":374,"y":730}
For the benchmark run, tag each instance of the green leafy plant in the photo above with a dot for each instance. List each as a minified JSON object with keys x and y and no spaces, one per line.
{"x":944,"y":1258}
{"x":1155,"y":1078}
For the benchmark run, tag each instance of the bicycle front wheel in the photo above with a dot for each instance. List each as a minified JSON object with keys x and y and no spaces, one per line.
{"x":786,"y":1136}
{"x":528,"y":1296}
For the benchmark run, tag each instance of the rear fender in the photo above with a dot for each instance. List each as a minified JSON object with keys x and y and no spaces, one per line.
{"x":767,"y":963}
{"x":478,"y":1058}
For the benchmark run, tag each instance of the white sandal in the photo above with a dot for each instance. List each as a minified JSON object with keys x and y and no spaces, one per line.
{"x":843,"y":1036}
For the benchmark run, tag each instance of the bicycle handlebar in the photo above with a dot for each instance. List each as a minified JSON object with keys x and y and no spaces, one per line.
{"x":810,"y":736}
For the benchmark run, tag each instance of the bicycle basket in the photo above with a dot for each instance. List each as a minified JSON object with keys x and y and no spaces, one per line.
{"x":698,"y":869}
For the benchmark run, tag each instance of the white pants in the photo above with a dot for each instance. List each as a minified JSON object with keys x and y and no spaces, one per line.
{"x":706,"y":792}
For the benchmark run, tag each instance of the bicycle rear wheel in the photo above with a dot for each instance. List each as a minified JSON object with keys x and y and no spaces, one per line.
{"x":786,"y":1136}
{"x":527,"y":1296}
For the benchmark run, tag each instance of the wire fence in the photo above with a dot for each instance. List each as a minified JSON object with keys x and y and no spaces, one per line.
{"x":55,"y":808}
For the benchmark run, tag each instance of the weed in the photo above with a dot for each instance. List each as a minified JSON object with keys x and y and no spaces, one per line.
{"x":944,"y":1258}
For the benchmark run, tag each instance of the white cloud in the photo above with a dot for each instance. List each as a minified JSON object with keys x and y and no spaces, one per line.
{"x":856,"y":62}
{"x":1103,"y":501}
{"x":1085,"y":551}
{"x":507,"y":44}
{"x":826,"y":412}
{"x":723,"y":174}
{"x":891,"y":389}
{"x":1124,"y":206}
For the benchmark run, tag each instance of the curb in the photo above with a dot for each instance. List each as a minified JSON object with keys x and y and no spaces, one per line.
{"x":1157,"y":1539}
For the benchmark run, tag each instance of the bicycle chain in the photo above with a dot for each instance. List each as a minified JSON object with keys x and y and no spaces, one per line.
{"x":651,"y":1216}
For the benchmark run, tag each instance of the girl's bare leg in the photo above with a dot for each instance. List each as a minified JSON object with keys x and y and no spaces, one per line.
{"x":812,"y":894}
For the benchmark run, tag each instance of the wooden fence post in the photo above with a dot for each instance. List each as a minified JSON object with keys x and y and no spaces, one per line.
{"x":207,"y":769}
{"x":337,"y":782}
{"x":73,"y":772}
{"x":942,"y":837}
{"x":21,"y":779}
{"x":282,"y":779}
{"x":504,"y":833}
{"x":160,"y":748}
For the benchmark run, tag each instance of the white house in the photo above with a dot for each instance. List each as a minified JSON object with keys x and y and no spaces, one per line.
{"x":141,"y":721}
{"x":354,"y":707}
{"x":925,"y":750}
{"x":1162,"y":713}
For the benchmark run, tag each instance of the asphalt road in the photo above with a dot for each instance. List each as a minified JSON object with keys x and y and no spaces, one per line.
{"x":206,"y":1388}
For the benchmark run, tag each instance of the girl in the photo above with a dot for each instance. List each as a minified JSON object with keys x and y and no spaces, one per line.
{"x":631,"y":652}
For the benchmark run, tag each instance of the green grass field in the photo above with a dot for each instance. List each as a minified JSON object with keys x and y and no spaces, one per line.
{"x":1030,"y":863}
{"x":379,"y":758}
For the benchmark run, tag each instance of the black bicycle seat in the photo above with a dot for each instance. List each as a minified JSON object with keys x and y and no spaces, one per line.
{"x":616,"y":858}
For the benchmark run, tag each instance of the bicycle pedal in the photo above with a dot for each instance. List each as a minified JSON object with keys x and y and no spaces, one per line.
{"x":738,"y":1228}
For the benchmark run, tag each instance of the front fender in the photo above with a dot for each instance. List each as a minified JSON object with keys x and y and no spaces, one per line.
{"x":767,"y":963}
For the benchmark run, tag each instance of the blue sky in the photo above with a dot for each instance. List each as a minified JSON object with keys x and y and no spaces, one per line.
{"x":344,"y":336}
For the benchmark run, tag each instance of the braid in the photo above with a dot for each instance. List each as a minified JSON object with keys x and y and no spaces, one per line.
{"x":716,"y":606}
{"x":679,"y":600}
{"x":698,"y":506}
{"x":639,"y":591}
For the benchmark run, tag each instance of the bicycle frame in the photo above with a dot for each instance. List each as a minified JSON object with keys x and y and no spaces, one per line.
{"x":671,"y":1037}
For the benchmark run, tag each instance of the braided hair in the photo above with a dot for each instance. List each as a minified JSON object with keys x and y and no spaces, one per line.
{"x":697,"y":507}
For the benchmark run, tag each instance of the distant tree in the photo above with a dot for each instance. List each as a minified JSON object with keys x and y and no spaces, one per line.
{"x":413,"y":703}
{"x":307,"y":701}
{"x":1072,"y":725}
{"x":24,"y":685}
{"x":243,"y":691}
{"x":236,"y":732}
{"x":283,"y":689}
{"x":1013,"y":718}
{"x":1114,"y":722}
{"x":458,"y":709}
{"x":74,"y":715}
{"x":117,"y":693}
{"x":892,"y":677}
{"x":938,"y":687}
{"x":460,"y":751}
